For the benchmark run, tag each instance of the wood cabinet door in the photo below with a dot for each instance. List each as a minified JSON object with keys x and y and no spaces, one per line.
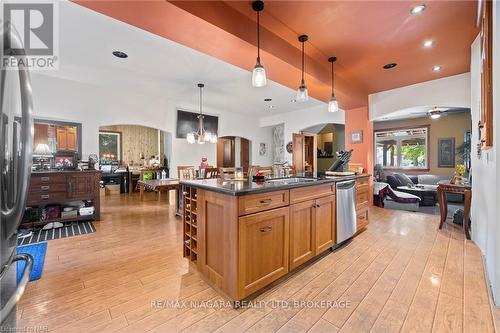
{"x":80,"y":186}
{"x":62,"y":138}
{"x":298,"y":152}
{"x":71,"y":140}
{"x":263,"y":249}
{"x":302,"y":217}
{"x":324,"y":224}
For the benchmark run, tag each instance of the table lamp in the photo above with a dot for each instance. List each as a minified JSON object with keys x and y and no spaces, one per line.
{"x":42,"y":153}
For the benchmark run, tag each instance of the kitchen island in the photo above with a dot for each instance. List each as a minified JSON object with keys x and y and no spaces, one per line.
{"x":242,"y":236}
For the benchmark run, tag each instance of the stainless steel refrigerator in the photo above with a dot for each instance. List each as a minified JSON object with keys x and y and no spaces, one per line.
{"x":16,"y":135}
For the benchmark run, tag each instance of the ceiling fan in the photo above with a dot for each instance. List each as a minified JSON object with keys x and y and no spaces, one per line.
{"x":436,"y":112}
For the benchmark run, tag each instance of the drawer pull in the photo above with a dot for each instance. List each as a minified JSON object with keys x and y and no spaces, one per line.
{"x":45,"y":187}
{"x":266,"y":229}
{"x":266,"y":201}
{"x":362,"y":217}
{"x":45,"y":179}
{"x":44,"y":196}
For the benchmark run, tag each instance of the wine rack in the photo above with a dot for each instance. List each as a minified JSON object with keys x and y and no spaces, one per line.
{"x":190,"y":223}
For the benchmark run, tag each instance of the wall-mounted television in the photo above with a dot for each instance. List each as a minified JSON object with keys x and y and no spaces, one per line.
{"x":187,"y":122}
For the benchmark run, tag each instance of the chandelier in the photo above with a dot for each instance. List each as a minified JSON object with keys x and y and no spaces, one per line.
{"x":201,"y":136}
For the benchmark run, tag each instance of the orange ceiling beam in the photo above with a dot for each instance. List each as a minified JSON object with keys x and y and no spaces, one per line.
{"x":218,"y":29}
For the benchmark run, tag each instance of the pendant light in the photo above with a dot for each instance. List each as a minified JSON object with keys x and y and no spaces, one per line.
{"x":333,"y":105}
{"x":201,"y":136}
{"x":259,"y":73}
{"x":302,"y":93}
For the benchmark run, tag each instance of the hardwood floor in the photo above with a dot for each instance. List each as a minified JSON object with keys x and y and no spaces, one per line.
{"x":401,"y":274}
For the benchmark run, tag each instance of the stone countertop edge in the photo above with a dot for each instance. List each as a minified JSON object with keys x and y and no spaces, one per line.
{"x":230,"y":186}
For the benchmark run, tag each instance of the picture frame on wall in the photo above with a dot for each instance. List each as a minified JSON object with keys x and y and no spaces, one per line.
{"x":446,"y":152}
{"x":110,"y":147}
{"x":262,"y":149}
{"x":356,"y":136}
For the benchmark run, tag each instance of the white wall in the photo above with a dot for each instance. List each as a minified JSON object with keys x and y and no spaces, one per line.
{"x":485,"y":210}
{"x":94,"y":106}
{"x":452,"y":91}
{"x":297,"y":121}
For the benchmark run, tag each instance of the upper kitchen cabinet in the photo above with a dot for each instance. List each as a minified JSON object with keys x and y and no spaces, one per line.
{"x":54,"y":137}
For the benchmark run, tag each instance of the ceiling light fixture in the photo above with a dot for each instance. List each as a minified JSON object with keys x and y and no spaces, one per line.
{"x":428,"y":43}
{"x":417,"y":9}
{"x":259,"y":73}
{"x":389,"y":66}
{"x":302,"y":93}
{"x":201,"y":136}
{"x":333,"y":105}
{"x":270,"y":106}
{"x":435,"y":113}
{"x":436,"y":68}
{"x":120,"y":54}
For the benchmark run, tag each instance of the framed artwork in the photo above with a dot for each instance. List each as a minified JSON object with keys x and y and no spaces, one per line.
{"x":357,"y":136}
{"x":446,"y":153}
{"x":110,"y":146}
{"x":262,"y":149}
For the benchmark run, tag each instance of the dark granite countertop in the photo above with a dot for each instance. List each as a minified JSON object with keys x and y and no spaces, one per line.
{"x":237,"y":187}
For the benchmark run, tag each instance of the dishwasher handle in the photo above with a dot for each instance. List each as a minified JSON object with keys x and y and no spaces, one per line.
{"x":347,"y":185}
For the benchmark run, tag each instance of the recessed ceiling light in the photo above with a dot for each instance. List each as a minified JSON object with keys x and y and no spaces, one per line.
{"x":417,"y":9}
{"x":436,"y":68}
{"x":428,"y":43}
{"x":389,"y":66}
{"x":120,"y":54}
{"x":268,"y":99}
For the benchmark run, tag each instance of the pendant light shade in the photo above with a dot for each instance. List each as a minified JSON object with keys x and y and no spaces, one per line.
{"x":333,"y":105}
{"x":259,"y":73}
{"x":201,"y":136}
{"x":302,"y":93}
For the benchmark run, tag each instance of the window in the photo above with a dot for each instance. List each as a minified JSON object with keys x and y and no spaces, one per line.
{"x":402,"y":148}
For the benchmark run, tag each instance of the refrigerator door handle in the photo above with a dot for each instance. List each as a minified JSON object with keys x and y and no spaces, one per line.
{"x":28,"y":268}
{"x":25,"y":158}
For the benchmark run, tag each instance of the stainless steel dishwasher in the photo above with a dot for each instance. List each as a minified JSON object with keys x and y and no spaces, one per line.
{"x":346,"y":210}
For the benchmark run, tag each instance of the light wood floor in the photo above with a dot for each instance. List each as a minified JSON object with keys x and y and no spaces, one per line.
{"x":401,"y":274}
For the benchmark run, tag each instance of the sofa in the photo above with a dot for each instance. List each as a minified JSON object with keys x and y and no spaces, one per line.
{"x":387,"y":197}
{"x":426,"y":179}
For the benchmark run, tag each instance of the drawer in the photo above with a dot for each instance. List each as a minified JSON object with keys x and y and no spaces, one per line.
{"x":362,"y":219}
{"x":311,"y":192}
{"x":47,"y":188}
{"x":362,"y":199}
{"x":45,"y":198}
{"x":254,"y":203}
{"x":362,"y":185}
{"x":47,"y":178}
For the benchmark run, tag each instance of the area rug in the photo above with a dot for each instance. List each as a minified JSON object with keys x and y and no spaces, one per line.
{"x":69,"y":230}
{"x":37,"y":251}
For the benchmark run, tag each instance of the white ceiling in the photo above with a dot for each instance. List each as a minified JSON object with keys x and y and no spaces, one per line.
{"x":418,"y":112}
{"x":157,"y":67}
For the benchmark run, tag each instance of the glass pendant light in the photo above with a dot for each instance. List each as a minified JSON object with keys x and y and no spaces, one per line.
{"x":302,"y":93}
{"x":259,"y":73}
{"x":333,"y":105}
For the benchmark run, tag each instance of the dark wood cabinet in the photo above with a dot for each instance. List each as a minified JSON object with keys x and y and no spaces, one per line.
{"x":60,"y":187}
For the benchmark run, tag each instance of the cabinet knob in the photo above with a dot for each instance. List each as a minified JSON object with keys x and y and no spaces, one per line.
{"x":266,"y":229}
{"x":45,"y":187}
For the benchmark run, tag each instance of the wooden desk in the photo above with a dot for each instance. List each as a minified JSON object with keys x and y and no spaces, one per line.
{"x":446,"y":187}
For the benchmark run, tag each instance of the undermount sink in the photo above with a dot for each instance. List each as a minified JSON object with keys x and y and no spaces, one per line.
{"x":291,"y":180}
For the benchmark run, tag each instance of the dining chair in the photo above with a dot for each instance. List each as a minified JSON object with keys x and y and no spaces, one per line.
{"x":212,"y":173}
{"x":226,"y":173}
{"x":186,"y":172}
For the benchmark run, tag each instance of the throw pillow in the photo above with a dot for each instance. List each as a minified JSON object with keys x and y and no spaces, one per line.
{"x":403,"y":179}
